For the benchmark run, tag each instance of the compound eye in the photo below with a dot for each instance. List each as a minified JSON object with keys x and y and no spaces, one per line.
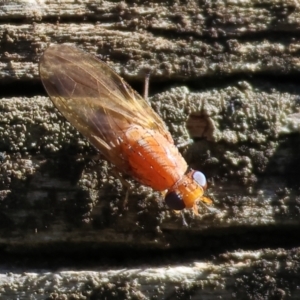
{"x":200,"y":178}
{"x":174,"y":201}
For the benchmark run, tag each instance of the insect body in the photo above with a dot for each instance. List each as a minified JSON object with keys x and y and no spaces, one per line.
{"x":119,"y":123}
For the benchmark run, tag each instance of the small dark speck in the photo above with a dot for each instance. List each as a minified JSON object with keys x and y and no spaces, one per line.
{"x":234,"y":104}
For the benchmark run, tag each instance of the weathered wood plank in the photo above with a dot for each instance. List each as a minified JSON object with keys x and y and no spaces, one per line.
{"x":243,"y":130}
{"x":133,"y":53}
{"x":267,"y":274}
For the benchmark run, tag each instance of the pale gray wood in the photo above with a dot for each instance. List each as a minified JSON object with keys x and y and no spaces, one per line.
{"x":134,"y":52}
{"x":259,"y":271}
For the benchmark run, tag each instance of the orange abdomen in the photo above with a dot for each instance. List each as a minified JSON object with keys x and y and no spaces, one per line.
{"x":153,"y":159}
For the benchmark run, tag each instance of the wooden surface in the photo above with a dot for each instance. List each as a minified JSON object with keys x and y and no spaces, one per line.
{"x":224,"y":74}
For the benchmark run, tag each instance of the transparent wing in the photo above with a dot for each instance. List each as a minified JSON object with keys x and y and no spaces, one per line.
{"x":95,"y":100}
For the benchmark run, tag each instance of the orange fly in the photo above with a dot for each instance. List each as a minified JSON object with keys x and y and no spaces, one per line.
{"x":119,"y":123}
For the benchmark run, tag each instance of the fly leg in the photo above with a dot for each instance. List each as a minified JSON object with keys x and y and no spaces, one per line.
{"x":185,"y":144}
{"x":125,"y":185}
{"x":146,"y":87}
{"x":114,"y":172}
{"x":184,"y":223}
{"x":206,"y":206}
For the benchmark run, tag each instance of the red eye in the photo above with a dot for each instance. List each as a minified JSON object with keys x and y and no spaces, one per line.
{"x":174,"y":201}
